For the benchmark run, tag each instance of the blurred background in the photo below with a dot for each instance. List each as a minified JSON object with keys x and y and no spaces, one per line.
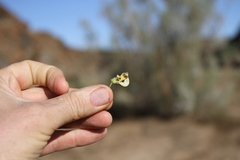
{"x":183,"y":57}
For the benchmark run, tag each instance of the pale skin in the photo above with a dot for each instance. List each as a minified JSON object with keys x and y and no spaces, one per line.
{"x":30,"y":117}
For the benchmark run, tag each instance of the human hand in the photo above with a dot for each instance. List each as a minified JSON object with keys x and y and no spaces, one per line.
{"x":29,"y":117}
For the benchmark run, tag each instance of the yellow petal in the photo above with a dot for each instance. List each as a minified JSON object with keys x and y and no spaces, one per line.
{"x":125,"y":82}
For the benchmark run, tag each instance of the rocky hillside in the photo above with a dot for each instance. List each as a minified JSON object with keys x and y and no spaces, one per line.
{"x":18,"y":43}
{"x":15,"y":39}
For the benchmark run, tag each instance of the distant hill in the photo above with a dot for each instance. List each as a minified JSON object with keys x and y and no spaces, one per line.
{"x":15,"y":40}
{"x":18,"y":43}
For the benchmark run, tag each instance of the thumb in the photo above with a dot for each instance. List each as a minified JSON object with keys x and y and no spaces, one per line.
{"x":78,"y":104}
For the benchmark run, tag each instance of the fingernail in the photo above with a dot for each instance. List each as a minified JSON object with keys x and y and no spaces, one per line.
{"x":99,"y":97}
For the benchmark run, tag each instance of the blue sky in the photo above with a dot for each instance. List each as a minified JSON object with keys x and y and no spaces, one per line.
{"x":61,"y":18}
{"x":230,"y":11}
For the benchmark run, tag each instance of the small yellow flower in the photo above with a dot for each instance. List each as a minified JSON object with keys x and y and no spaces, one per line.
{"x":123,"y":80}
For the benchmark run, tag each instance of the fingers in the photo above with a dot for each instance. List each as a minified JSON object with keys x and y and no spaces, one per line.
{"x":27,"y":73}
{"x":90,"y":130}
{"x":77,"y":138}
{"x":88,"y":104}
{"x":77,"y":104}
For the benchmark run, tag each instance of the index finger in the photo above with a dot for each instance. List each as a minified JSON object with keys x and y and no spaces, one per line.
{"x":24,"y":74}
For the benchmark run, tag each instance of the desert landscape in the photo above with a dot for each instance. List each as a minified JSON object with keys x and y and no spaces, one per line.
{"x":182,"y":103}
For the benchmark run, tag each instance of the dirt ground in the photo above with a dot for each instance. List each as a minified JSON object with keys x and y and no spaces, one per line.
{"x":154,"y":139}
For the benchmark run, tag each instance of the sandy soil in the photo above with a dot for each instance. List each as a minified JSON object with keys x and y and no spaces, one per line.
{"x":153,"y":139}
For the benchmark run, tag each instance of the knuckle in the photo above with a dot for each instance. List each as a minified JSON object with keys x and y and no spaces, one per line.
{"x":77,"y":106}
